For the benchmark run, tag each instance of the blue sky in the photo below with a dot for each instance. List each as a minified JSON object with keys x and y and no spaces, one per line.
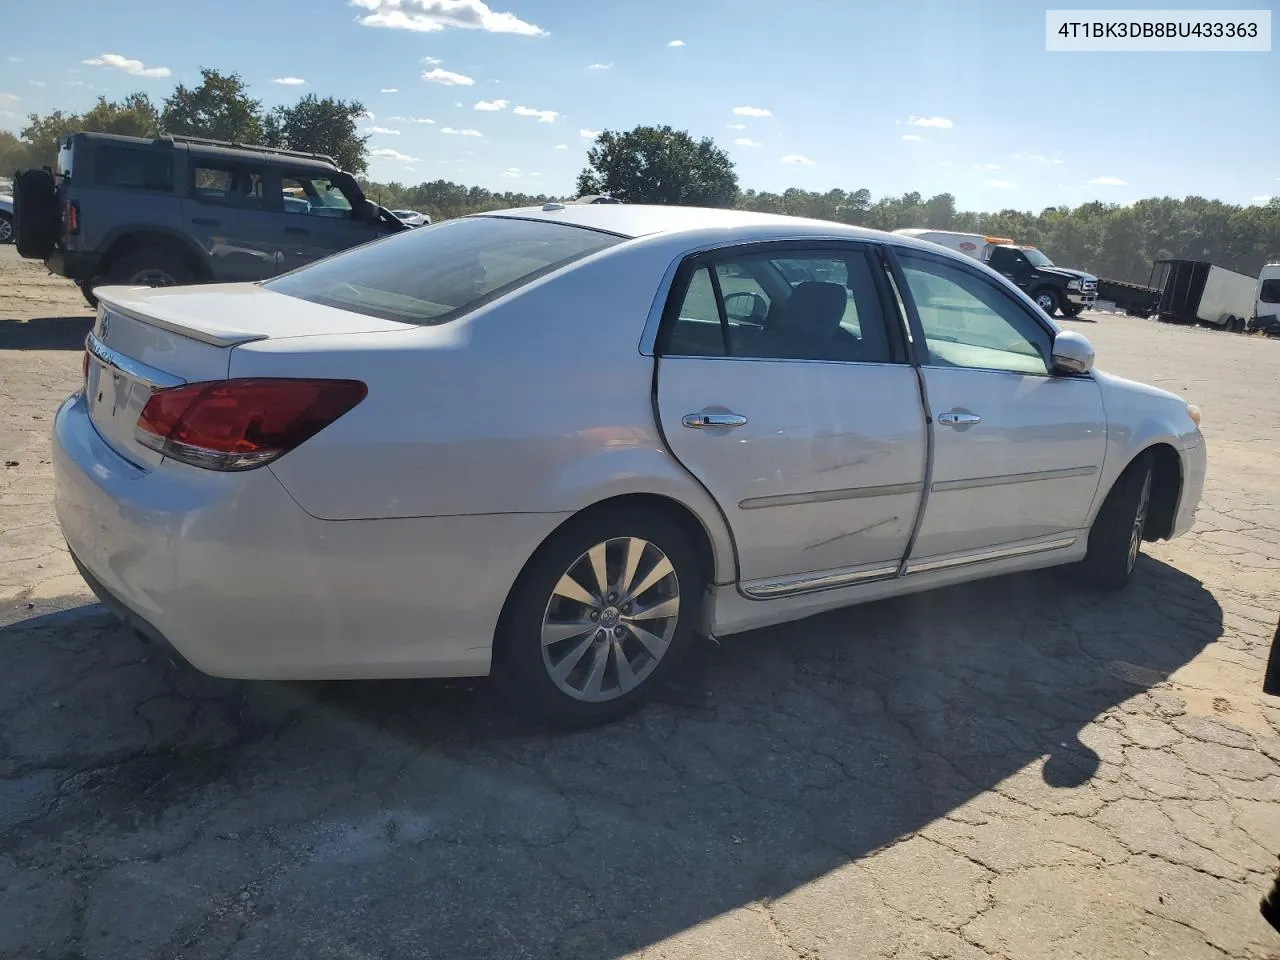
{"x":925,"y":95}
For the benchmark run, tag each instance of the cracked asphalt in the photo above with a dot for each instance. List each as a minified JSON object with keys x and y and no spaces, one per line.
{"x":1015,"y":769}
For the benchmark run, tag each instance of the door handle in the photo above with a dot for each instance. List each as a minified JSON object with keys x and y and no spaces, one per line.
{"x":698,"y":420}
{"x":299,"y":230}
{"x":959,"y":419}
{"x":205,"y":221}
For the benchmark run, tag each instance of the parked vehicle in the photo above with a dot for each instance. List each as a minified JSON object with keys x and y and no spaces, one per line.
{"x":6,"y":218}
{"x":1266,"y":309}
{"x":554,"y":443}
{"x":1194,"y":291}
{"x":1052,"y":287}
{"x":181,"y":210}
{"x":412,"y":217}
{"x":1135,"y":299}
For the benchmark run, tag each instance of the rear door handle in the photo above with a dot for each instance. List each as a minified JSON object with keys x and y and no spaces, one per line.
{"x":299,"y":230}
{"x":959,"y":419}
{"x":205,"y":222}
{"x":698,"y":420}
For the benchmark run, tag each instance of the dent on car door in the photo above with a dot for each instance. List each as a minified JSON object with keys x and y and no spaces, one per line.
{"x":783,"y":390}
{"x":228,"y":215}
{"x":1018,"y":449}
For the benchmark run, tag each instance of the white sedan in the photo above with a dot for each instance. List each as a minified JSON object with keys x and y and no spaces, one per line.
{"x":555,"y":444}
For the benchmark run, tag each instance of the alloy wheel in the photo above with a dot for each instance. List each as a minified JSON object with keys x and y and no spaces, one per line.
{"x":610,"y":619}
{"x":150,"y":277}
{"x":6,"y":230}
{"x":1139,"y":522}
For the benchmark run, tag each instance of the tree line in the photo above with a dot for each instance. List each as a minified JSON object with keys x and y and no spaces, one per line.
{"x":657,"y":164}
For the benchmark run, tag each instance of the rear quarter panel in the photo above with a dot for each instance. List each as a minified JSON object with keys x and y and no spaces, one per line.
{"x":537,"y":403}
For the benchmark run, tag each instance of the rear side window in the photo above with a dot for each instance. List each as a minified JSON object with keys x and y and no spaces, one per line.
{"x":1270,"y":292}
{"x":433,"y":274}
{"x":129,"y":167}
{"x":227,"y":184}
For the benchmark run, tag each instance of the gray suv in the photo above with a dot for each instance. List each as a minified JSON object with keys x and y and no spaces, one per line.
{"x":181,"y":210}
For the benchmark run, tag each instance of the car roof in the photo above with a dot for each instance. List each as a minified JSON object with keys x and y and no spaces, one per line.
{"x":224,"y":151}
{"x":640,"y":220}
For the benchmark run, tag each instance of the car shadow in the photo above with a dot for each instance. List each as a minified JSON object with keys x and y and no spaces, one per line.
{"x":424,"y":818}
{"x":45,"y":333}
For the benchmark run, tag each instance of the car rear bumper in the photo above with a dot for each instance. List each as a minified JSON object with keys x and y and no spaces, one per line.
{"x":243,"y":583}
{"x":73,"y":264}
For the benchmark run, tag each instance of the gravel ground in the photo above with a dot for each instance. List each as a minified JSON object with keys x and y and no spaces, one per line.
{"x":1014,"y":769}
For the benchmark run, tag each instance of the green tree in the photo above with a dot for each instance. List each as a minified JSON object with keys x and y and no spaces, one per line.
{"x":134,"y":116}
{"x":316,"y":125}
{"x":659,"y":165}
{"x":220,"y":108}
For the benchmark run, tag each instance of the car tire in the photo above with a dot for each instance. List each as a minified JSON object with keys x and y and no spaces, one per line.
{"x":149,"y":267}
{"x":1047,"y":299}
{"x":1115,"y":539}
{"x":1071,"y":311}
{"x":86,"y":290}
{"x":577,"y":654}
{"x":6,"y":227}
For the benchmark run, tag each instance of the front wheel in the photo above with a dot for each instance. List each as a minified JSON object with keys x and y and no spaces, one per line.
{"x":1115,"y":539}
{"x":602,"y":614}
{"x":6,"y":228}
{"x":1047,"y":300}
{"x":1072,"y":310}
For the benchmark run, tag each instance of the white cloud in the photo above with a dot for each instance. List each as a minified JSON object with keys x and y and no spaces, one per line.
{"x":748,"y":142}
{"x":562,"y":146}
{"x":492,"y":105}
{"x":458,"y":104}
{"x":430,"y":61}
{"x":432,"y":16}
{"x":73,"y":83}
{"x":942,"y":122}
{"x":913,"y":138}
{"x":461,"y":133}
{"x":134,"y":68}
{"x":290,"y":81}
{"x":447,"y":77}
{"x":386,"y":153}
{"x":1034,"y":157}
{"x":989,"y":166}
{"x":385,"y":131}
{"x":1107,"y":182}
{"x":9,"y":99}
{"x":797,"y":159}
{"x":600,"y":66}
{"x":676,"y":43}
{"x":1261,"y":201}
{"x":544,"y":116}
{"x":586,"y":134}
{"x":1002,"y":184}
{"x":389,"y":90}
{"x":37,"y":83}
{"x":752,"y":112}
{"x":15,"y":60}
{"x":737,"y":126}
{"x":367,"y":116}
{"x":511,"y":173}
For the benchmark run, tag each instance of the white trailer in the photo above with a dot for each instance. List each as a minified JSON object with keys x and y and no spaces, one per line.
{"x":1228,"y":298}
{"x":1195,"y":291}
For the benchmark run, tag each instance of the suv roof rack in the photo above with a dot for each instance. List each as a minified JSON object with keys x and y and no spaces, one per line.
{"x":206,"y":142}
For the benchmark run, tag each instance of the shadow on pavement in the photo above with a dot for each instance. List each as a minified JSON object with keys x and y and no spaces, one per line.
{"x":414,"y":818}
{"x":45,"y":333}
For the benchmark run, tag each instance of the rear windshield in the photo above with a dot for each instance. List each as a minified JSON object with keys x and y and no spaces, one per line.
{"x":435,"y":273}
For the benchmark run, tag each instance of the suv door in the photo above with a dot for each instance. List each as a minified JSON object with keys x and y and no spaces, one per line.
{"x":226,"y":214}
{"x":1012,"y":264}
{"x":319,"y":218}
{"x":1017,"y":449}
{"x":784,"y":391}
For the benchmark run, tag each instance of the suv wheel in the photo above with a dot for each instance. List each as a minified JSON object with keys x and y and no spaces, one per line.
{"x":6,"y":228}
{"x":1047,"y":300}
{"x":150,"y":267}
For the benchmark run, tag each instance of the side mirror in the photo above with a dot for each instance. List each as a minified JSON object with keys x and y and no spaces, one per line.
{"x":1072,"y":353}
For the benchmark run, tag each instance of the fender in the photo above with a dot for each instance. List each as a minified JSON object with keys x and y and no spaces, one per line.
{"x":186,"y":245}
{"x":644,"y":469}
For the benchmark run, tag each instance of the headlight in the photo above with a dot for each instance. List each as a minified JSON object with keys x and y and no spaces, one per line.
{"x":1073,"y":285}
{"x":1194,"y":413}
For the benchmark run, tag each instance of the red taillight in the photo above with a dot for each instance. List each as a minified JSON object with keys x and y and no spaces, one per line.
{"x":73,"y":217}
{"x":242,"y":424}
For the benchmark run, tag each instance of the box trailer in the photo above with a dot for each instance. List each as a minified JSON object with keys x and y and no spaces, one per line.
{"x":1196,"y":291}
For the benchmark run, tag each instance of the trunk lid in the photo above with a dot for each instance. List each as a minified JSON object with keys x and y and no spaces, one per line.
{"x":151,"y":338}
